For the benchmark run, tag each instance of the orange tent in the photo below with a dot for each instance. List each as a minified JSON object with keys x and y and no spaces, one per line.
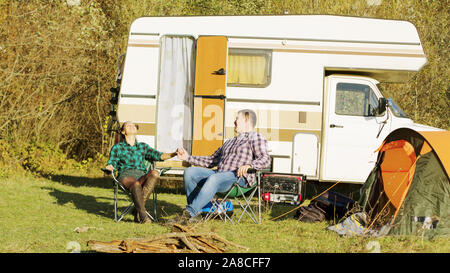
{"x":410,"y":180}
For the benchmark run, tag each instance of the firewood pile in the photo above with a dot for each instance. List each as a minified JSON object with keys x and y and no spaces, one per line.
{"x":180,"y":240}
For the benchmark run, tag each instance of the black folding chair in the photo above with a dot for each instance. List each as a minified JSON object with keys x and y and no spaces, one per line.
{"x":117,"y":185}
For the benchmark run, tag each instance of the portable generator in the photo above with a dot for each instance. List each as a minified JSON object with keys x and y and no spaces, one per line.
{"x":283,"y":188}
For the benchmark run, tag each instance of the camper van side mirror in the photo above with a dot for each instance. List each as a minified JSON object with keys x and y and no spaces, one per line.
{"x":382,"y":103}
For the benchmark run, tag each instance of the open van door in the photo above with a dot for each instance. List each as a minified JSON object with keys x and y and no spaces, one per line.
{"x":209,"y":94}
{"x":353,"y":129}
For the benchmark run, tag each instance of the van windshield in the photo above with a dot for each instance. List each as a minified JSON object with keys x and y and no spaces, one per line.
{"x":396,"y":109}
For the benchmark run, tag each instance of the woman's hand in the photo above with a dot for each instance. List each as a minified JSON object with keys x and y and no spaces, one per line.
{"x":166,"y":156}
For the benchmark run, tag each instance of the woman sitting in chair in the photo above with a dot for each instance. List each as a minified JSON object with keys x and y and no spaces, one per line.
{"x":128,"y":158}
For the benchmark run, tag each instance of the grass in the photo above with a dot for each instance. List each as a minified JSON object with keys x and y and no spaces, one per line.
{"x":39,"y":215}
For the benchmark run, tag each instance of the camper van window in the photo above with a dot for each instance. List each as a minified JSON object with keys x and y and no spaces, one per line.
{"x":355,"y":100}
{"x":249,"y":67}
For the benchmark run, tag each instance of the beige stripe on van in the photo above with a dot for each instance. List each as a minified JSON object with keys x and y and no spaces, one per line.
{"x":283,"y":125}
{"x":136,"y":112}
{"x":270,"y":134}
{"x":334,"y":50}
{"x":143,"y":43}
{"x":284,"y":119}
{"x":147,"y":129}
{"x":274,"y":134}
{"x":296,"y":120}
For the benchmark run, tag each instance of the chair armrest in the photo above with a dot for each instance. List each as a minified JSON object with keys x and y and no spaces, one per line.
{"x":164,"y":170}
{"x":106,"y":171}
{"x":111,"y":173}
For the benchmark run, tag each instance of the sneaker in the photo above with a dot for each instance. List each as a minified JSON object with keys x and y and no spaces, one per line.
{"x":195,"y":219}
{"x":180,"y":219}
{"x":185,"y":218}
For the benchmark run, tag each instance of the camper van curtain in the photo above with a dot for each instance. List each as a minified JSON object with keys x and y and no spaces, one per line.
{"x":175,"y":98}
{"x":246,"y":69}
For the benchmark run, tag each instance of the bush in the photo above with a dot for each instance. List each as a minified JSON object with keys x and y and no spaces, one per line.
{"x":8,"y":160}
{"x":43,"y":158}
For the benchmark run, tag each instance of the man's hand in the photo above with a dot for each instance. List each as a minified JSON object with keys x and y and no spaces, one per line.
{"x":182,"y":154}
{"x":242,"y":171}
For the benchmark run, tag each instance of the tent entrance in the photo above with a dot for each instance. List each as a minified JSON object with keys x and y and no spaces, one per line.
{"x":395,"y":174}
{"x":397,"y":170}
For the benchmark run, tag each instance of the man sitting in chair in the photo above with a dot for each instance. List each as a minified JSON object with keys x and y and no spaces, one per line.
{"x":233,"y":159}
{"x":128,"y":158}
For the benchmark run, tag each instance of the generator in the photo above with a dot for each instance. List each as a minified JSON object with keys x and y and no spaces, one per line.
{"x":283,"y":188}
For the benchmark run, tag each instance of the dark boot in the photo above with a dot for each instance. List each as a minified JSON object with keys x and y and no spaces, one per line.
{"x":148,"y":187}
{"x":136,"y":193}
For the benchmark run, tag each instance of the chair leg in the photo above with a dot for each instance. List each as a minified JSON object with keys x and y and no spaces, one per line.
{"x":154,"y":203}
{"x":247,"y":200}
{"x":213,"y":211}
{"x":153,"y":217}
{"x":115,"y":202}
{"x":259,"y":198}
{"x":126,"y":211}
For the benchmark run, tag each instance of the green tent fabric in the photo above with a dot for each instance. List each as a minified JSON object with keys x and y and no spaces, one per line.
{"x":422,"y":207}
{"x":428,"y":196}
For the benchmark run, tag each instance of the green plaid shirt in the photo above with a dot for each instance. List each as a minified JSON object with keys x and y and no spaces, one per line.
{"x":123,"y":156}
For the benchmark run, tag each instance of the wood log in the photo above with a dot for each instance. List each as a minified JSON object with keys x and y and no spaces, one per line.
{"x":181,"y":240}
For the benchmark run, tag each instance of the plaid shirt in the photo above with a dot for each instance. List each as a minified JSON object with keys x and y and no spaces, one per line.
{"x":245,"y":149}
{"x":123,"y":156}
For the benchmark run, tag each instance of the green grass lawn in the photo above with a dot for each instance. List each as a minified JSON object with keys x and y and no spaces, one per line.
{"x":39,"y":215}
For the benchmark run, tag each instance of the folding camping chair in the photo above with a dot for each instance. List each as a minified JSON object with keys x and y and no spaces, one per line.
{"x":117,"y":185}
{"x":223,"y":207}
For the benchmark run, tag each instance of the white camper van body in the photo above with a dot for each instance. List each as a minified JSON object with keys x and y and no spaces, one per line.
{"x":312,"y":66}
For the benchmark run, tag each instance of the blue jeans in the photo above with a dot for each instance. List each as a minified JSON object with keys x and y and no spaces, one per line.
{"x":202,"y":184}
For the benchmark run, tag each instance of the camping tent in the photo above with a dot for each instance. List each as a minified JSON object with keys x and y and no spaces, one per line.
{"x":409,"y":187}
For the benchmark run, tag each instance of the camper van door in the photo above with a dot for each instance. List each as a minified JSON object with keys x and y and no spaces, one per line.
{"x":350,"y":129}
{"x":209,"y":94}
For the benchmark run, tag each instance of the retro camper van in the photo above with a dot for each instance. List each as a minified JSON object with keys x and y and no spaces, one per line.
{"x":312,"y":80}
